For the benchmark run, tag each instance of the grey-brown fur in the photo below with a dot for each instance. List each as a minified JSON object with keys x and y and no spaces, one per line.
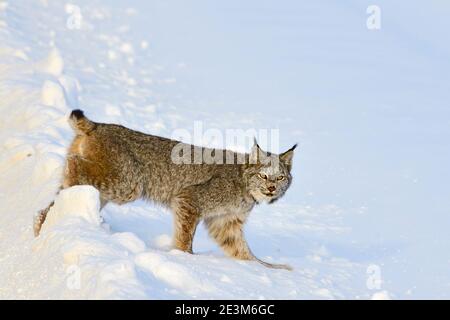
{"x":125,"y":165}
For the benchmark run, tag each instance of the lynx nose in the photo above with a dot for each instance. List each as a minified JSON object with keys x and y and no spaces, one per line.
{"x":271,"y":188}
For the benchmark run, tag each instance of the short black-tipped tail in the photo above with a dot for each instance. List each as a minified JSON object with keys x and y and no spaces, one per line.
{"x":80,"y":123}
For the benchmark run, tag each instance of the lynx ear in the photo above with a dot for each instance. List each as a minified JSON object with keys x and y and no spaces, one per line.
{"x":286,"y":157}
{"x":256,"y":153}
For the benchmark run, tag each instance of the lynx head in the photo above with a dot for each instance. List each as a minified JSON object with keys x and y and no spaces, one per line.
{"x":268,"y":175}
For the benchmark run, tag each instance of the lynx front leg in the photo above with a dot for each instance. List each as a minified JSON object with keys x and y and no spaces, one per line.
{"x":186,"y":220}
{"x":228,"y":233}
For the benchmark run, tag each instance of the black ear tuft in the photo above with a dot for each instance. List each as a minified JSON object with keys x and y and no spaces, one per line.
{"x":256,"y":154}
{"x":293,"y":147}
{"x":255,"y":143}
{"x":77,"y":114}
{"x":287,"y":156}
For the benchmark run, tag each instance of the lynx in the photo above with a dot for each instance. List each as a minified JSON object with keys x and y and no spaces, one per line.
{"x":125,"y":165}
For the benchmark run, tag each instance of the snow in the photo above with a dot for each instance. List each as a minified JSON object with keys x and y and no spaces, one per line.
{"x":381,"y":295}
{"x":369,"y":203}
{"x":53,"y":64}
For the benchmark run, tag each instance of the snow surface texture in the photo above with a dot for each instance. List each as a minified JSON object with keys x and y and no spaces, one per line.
{"x":367,"y":215}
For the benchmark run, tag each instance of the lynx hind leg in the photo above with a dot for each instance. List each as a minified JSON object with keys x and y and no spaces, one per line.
{"x":103,"y":202}
{"x":76,"y":173}
{"x":186,"y":219}
{"x":114,"y":185}
{"x":39,"y":219}
{"x":229,"y":235}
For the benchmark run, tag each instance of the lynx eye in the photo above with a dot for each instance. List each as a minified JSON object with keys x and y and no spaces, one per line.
{"x":280,"y":178}
{"x":263,"y":176}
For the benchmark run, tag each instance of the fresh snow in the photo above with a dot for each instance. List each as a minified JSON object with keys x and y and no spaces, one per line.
{"x":368,"y":214}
